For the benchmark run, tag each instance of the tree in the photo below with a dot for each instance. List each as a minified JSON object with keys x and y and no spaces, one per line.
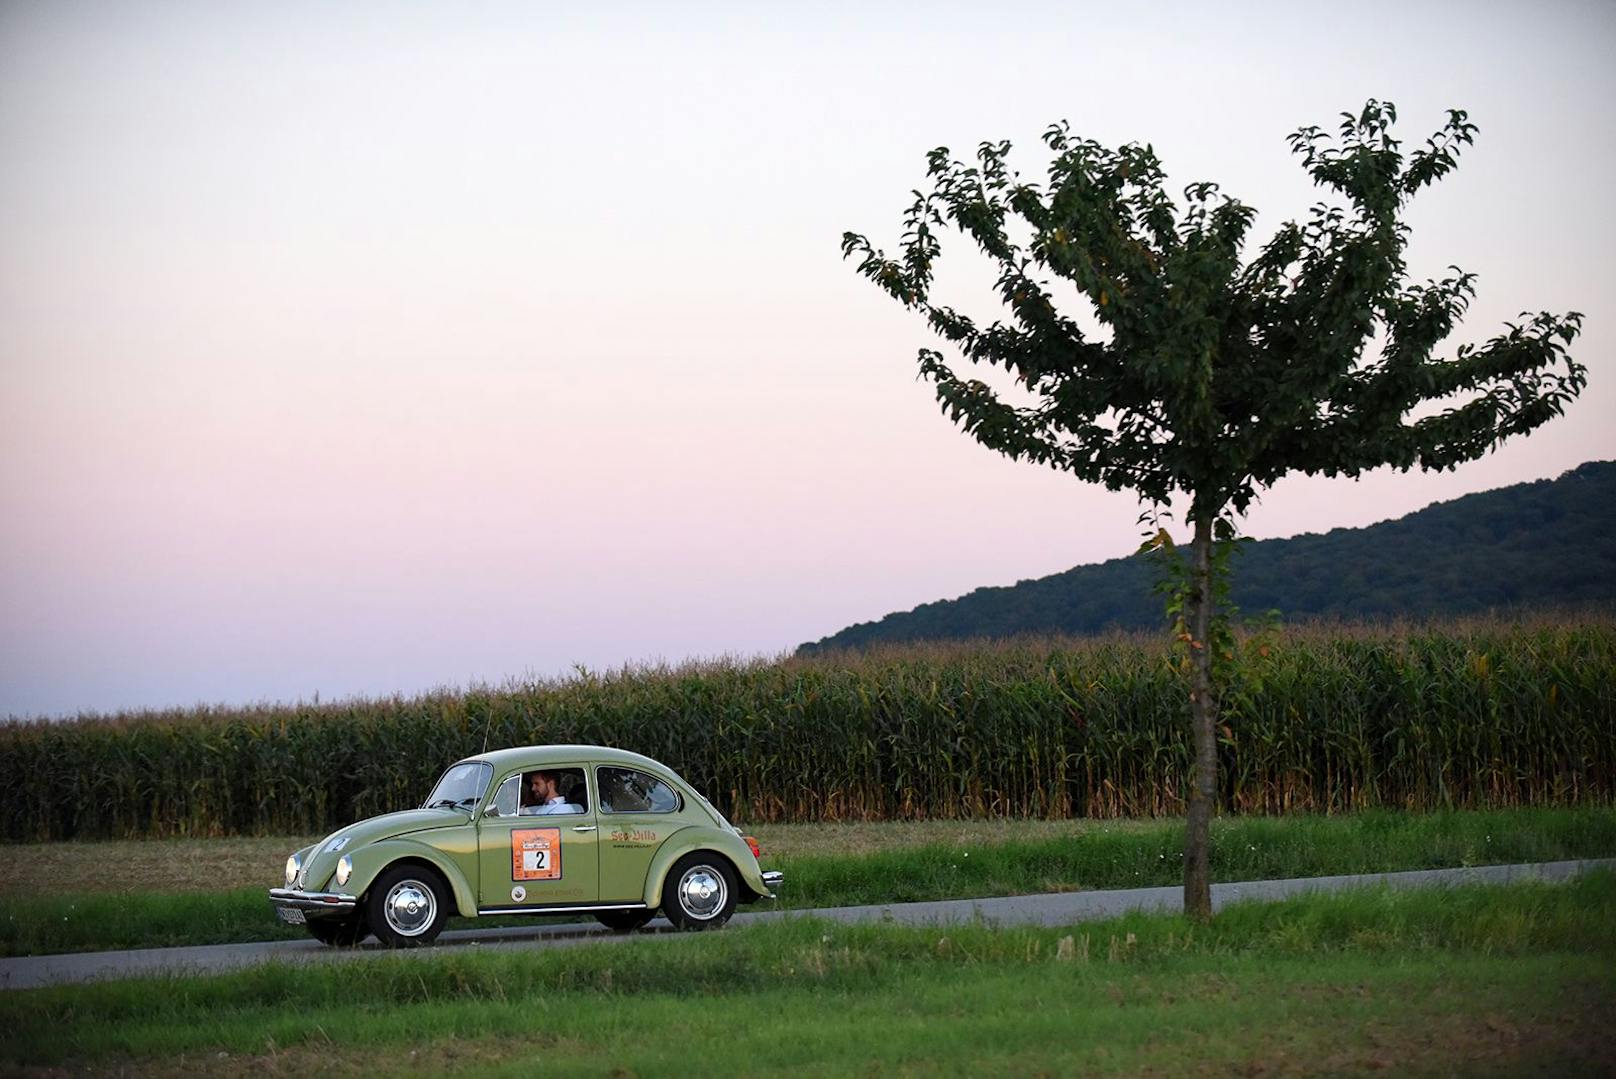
{"x":1212,"y":378}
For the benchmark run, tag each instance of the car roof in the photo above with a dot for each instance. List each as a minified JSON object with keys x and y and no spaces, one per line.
{"x":539,"y":756}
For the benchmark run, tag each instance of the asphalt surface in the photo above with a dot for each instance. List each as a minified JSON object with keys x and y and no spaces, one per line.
{"x":1061,"y":908}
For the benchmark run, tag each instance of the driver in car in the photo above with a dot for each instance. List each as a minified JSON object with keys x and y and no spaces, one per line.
{"x":544,"y":796}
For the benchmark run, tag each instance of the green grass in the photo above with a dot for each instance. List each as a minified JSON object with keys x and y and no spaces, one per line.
{"x":1244,"y":848}
{"x":1100,"y":855}
{"x":1468,"y":979}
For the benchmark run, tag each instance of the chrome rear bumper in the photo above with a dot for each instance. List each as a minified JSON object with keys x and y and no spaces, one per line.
{"x":291,"y":897}
{"x":773,"y":879}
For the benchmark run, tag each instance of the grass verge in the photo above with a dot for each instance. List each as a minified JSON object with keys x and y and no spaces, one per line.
{"x":1101,"y":855}
{"x":1471,"y":979}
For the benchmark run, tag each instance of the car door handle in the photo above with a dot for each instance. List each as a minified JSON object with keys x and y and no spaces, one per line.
{"x":583,"y":827}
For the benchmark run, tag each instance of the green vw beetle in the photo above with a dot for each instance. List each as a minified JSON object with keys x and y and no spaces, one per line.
{"x":533,"y":830}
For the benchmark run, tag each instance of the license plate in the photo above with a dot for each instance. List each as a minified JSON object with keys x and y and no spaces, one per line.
{"x":290,"y":915}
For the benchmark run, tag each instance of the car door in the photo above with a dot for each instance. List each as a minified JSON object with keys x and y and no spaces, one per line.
{"x":638,"y":812}
{"x":527,"y":862}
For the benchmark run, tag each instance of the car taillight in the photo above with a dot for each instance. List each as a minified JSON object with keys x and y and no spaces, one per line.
{"x":757,"y":851}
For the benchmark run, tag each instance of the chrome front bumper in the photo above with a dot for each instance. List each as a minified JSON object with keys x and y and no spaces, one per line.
{"x":291,"y":897}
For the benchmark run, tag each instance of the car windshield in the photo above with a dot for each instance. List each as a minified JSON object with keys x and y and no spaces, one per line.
{"x":462,"y":786}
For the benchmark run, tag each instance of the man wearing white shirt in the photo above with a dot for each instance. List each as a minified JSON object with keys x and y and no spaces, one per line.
{"x":544,"y":796}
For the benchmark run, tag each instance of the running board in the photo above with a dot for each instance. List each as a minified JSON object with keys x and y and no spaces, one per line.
{"x":590,"y":908}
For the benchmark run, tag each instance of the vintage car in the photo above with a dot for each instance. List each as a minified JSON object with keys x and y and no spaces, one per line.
{"x":534,"y":830}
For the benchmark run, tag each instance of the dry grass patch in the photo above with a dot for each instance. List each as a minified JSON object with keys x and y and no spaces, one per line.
{"x":147,"y":865}
{"x":875,"y":837}
{"x":224,"y":864}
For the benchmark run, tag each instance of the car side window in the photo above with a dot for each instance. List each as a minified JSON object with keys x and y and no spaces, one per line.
{"x":546,"y":791}
{"x":504,"y":804}
{"x":624,"y":790}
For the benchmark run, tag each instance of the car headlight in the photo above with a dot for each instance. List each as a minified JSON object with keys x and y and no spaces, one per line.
{"x":293,"y":864}
{"x":344,"y":870}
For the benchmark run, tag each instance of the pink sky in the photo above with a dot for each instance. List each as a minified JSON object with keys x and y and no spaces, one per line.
{"x":369,"y":348}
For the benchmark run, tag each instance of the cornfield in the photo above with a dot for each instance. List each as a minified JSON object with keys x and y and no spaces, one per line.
{"x":1478,"y":714}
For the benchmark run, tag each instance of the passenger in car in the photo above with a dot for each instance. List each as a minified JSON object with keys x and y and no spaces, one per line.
{"x":544,"y":796}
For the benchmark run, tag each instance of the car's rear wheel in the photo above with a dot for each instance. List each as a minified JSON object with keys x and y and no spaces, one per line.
{"x":339,"y":932}
{"x":407,"y":906}
{"x":699,"y":892}
{"x":624,"y":921}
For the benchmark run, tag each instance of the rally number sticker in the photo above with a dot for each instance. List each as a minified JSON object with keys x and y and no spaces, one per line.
{"x":536,"y":854}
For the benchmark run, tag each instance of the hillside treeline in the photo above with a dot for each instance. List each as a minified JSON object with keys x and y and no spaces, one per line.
{"x":1481,"y":714}
{"x":1545,"y":544}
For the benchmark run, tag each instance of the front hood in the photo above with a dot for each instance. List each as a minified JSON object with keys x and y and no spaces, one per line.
{"x":322,"y":861}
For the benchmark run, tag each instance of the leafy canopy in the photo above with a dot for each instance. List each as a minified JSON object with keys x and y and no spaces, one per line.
{"x":1218,"y":376}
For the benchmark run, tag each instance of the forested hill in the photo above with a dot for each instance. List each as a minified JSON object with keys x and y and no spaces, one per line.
{"x":1545,"y":544}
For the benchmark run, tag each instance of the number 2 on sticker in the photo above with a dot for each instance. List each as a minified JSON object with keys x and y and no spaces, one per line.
{"x":536,"y":854}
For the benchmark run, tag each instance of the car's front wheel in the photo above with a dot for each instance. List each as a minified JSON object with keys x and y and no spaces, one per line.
{"x":407,"y":906}
{"x":624,"y":921}
{"x":700,"y":892}
{"x":339,"y":932}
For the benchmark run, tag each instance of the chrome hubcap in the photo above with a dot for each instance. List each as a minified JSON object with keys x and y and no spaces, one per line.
{"x":410,"y":908}
{"x":702,"y":891}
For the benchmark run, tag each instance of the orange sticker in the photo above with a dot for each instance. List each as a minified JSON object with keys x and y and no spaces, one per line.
{"x":536,"y":854}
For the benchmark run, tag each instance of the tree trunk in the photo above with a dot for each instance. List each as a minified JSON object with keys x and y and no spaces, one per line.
{"x":1203,"y":722}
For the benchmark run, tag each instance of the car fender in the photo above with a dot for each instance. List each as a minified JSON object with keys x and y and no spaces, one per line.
{"x":369,"y":862}
{"x":698,"y":837}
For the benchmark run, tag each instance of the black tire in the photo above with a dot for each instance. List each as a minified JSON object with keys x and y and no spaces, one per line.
{"x":407,"y":906}
{"x":339,"y":932}
{"x":699,"y":892}
{"x":624,"y":921}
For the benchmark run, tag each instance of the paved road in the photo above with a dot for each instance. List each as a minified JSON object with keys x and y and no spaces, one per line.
{"x":1057,"y":909}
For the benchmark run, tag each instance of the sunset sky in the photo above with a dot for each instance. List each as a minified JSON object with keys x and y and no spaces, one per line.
{"x":368,"y":348}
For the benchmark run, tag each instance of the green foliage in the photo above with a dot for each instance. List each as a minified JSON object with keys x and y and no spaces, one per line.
{"x":1485,"y":714}
{"x":1544,"y":545}
{"x":1175,"y":583}
{"x":1212,"y":377}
